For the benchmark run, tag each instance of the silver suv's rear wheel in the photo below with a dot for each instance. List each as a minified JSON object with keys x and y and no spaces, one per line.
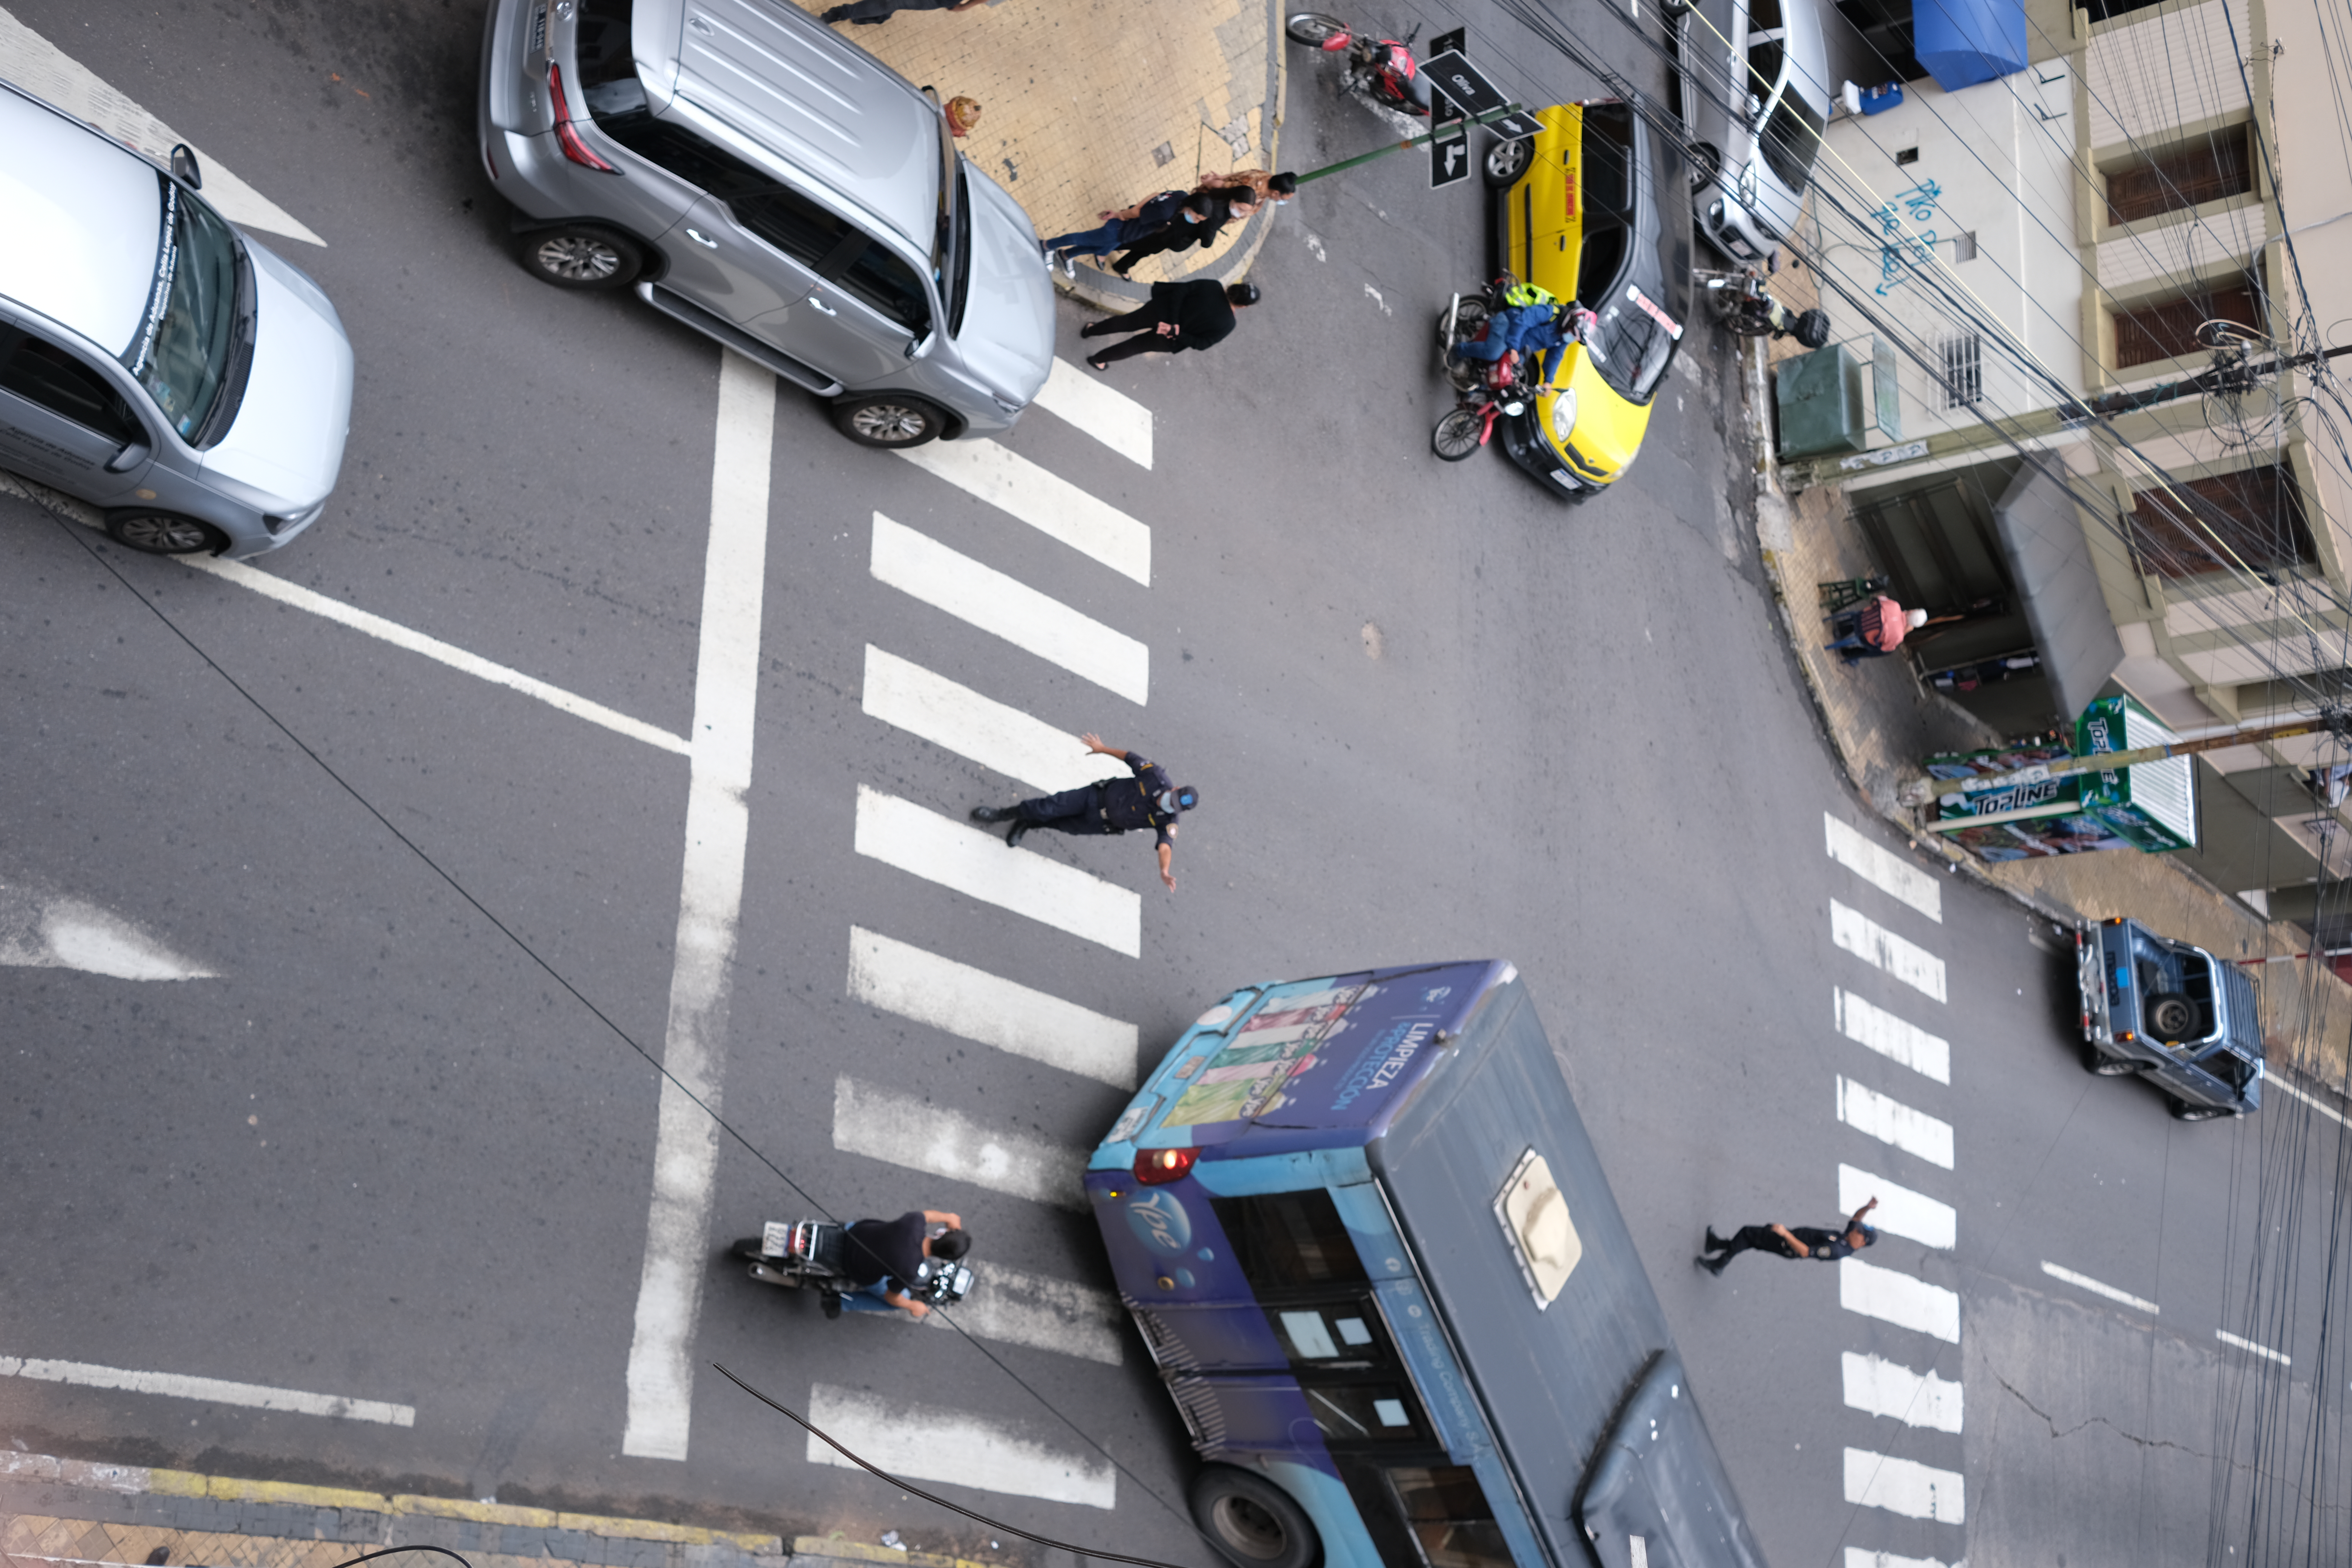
{"x":585,"y":256}
{"x":164,"y":533}
{"x":889,"y":419}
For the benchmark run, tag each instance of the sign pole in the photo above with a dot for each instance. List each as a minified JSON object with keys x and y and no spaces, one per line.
{"x":1488,"y":118}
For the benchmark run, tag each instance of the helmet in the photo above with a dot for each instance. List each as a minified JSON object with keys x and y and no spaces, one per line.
{"x":1812,"y":328}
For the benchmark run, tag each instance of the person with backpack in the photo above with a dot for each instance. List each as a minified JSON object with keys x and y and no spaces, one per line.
{"x":1107,"y":806}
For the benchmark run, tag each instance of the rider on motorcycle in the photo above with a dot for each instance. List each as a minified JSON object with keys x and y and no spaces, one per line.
{"x":885,"y":1257}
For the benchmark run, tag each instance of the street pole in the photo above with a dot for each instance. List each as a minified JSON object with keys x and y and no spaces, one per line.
{"x":1921,"y":792}
{"x":2219,"y":379}
{"x":1488,"y":118}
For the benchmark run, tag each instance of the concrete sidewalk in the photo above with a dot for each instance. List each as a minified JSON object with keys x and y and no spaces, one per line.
{"x":1883,"y":720}
{"x":66,"y":1511}
{"x":1089,"y":105}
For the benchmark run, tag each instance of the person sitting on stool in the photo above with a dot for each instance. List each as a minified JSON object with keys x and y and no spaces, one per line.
{"x":1875,"y":630}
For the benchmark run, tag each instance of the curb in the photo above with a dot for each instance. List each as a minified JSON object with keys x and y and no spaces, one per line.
{"x":1108,"y":292}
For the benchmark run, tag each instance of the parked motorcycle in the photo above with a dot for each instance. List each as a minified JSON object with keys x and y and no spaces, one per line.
{"x":1746,"y":308}
{"x":814,"y":1254}
{"x":1381,"y":71}
{"x":1484,"y":390}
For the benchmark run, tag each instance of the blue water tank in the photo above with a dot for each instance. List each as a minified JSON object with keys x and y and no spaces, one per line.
{"x":1963,"y":42}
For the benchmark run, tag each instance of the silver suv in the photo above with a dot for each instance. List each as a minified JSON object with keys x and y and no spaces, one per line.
{"x":1752,"y":81}
{"x":778,"y":189}
{"x":153,"y":361}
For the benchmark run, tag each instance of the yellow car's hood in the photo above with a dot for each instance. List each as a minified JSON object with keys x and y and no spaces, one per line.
{"x":1608,"y":429}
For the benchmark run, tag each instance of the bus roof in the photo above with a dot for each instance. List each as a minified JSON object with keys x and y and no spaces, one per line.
{"x":1554,"y":1377}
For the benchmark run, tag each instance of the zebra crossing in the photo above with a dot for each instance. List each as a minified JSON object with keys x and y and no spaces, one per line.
{"x":1885,"y":1094}
{"x":901,"y":837}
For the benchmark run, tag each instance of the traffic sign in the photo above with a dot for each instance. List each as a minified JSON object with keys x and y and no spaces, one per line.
{"x":1449,"y":162}
{"x":1462,"y":83}
{"x":1457,"y":42}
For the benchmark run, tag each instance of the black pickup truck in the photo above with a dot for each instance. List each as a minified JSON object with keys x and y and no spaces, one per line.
{"x":2172,"y":1011}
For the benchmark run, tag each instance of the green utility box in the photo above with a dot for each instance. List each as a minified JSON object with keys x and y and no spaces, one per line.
{"x":1823,"y":411}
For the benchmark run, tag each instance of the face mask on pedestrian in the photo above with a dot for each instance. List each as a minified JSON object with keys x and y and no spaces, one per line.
{"x":1168,"y":800}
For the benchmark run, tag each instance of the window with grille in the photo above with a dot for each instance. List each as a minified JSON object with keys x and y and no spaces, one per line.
{"x":2166,"y":329}
{"x":2252,"y":520}
{"x":1963,"y":370}
{"x":2209,"y":169}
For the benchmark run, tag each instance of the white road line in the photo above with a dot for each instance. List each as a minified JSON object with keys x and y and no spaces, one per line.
{"x":1092,"y":405}
{"x":1042,"y":499}
{"x":974,"y":1004}
{"x":211,"y":1390}
{"x":1892,"y":1121}
{"x":926,"y":1443}
{"x":1044,"y":1313}
{"x":317,"y":603}
{"x":1900,"y":1212}
{"x":1898,"y":1299}
{"x":1875,"y":945}
{"x":131,"y":1480}
{"x":2294,"y":1093}
{"x":900,"y":692}
{"x":35,"y":64}
{"x":907,"y":1131}
{"x":1860,"y":1557}
{"x":45,"y":931}
{"x":1883,"y":870}
{"x":1890,"y":1037}
{"x":710,"y":897}
{"x":1905,"y":1487}
{"x":2084,"y":1282}
{"x":976,"y":864}
{"x":2227,"y":1338}
{"x":1883,"y":1387}
{"x":996,"y":604}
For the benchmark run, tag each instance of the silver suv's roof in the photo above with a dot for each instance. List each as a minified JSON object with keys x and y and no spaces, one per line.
{"x":83,"y":216}
{"x":831,"y":110}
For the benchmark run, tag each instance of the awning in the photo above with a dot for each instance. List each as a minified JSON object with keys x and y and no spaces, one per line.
{"x":1963,"y":42}
{"x":2050,"y":561}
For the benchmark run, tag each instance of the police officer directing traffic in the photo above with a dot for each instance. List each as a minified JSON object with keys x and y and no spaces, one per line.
{"x":1106,"y":805}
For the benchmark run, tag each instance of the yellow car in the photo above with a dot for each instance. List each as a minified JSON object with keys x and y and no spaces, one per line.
{"x":1595,"y":208}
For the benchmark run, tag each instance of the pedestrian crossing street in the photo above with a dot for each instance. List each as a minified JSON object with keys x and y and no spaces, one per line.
{"x":906,"y":838}
{"x":1888,"y":1093}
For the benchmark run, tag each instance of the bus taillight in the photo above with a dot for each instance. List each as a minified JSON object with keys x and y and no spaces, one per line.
{"x":1154,"y":1167}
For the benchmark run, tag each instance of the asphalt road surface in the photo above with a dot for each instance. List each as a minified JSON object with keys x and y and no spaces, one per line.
{"x":398,"y":1140}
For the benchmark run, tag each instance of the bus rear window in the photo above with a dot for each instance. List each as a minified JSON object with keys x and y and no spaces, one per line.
{"x":1447,"y":1513}
{"x":1288,"y":1240}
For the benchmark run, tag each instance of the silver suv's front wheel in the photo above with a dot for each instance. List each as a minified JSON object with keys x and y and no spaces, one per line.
{"x":889,"y":419}
{"x":585,"y":256}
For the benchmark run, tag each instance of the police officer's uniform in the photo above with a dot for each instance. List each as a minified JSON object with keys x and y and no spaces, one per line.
{"x":1107,"y":806}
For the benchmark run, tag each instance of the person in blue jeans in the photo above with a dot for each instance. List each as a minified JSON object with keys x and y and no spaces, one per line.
{"x":1127,"y":227}
{"x":1533,"y":330}
{"x":884,"y":1259}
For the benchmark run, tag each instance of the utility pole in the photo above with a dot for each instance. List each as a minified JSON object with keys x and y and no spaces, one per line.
{"x":1924,"y":792}
{"x":1487,"y":118}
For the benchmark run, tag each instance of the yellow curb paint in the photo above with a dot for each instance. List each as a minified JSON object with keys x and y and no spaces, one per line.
{"x":227,"y":1489}
{"x":479,"y":1512}
{"x":175,"y":1483}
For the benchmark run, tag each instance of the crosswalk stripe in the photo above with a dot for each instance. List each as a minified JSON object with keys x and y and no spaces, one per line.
{"x":901,"y":693}
{"x":1090,"y":403}
{"x":2251,"y":1348}
{"x":974,"y":1004}
{"x":1900,"y":1212}
{"x":951,"y":581}
{"x":1891,"y":1037}
{"x":1905,"y":1487}
{"x":956,"y":855}
{"x":1890,"y":1122}
{"x":1896,"y":1298}
{"x":926,"y":1443}
{"x":1042,"y":499}
{"x":1875,"y":945}
{"x":1883,"y":870}
{"x":39,"y":66}
{"x":1044,"y":1313}
{"x":1862,"y":1557}
{"x":905,"y":1130}
{"x":2098,"y":1288}
{"x":1883,"y":1387}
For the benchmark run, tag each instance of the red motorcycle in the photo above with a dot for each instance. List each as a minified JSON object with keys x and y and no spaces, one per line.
{"x":1381,"y":71}
{"x":1483,"y":390}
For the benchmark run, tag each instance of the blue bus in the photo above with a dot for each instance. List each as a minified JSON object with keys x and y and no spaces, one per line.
{"x":1372,"y":1252}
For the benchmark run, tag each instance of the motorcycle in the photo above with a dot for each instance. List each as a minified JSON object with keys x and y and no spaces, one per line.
{"x":1744,"y":307}
{"x":1381,"y":71}
{"x":1484,"y":390}
{"x":814,"y":1255}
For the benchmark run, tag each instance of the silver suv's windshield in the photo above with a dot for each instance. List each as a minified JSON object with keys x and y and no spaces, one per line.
{"x":185,"y":350}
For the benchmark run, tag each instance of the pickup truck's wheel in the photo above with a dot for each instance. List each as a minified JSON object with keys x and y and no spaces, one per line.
{"x":2170,"y":1016}
{"x":1253,"y":1522}
{"x":2184,"y":1111}
{"x":2106,"y":1066}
